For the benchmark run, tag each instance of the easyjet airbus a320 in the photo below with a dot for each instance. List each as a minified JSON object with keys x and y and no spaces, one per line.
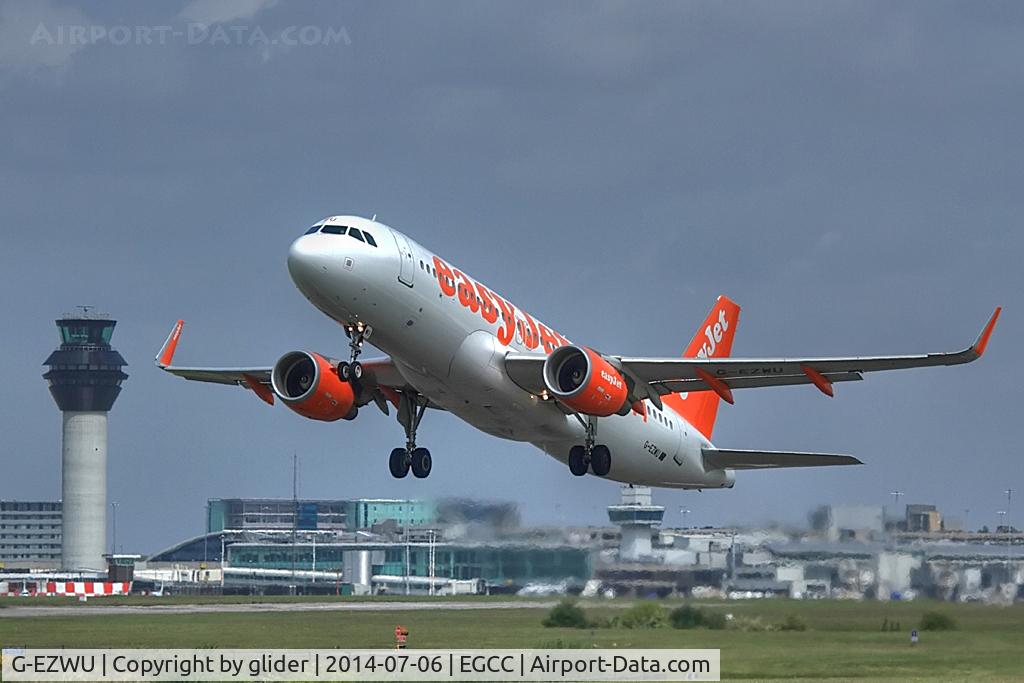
{"x":455,"y":344}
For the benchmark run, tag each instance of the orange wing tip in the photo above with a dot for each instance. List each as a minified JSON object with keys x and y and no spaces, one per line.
{"x":819,"y":380}
{"x":717,"y":385}
{"x":166,"y":354}
{"x":979,"y":346}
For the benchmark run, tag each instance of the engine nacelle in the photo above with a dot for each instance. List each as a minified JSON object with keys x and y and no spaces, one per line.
{"x":309,"y":384}
{"x":584,"y":381}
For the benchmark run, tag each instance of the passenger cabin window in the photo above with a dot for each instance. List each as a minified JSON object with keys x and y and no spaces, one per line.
{"x":353,"y":232}
{"x":369,"y":239}
{"x":335,"y":229}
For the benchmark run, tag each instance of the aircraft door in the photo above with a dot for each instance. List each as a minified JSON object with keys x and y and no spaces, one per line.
{"x":407,"y":265}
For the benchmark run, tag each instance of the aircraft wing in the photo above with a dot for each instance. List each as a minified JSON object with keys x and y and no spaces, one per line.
{"x":238,"y":376}
{"x":716,"y":458}
{"x":655,"y":377}
{"x":378,"y":373}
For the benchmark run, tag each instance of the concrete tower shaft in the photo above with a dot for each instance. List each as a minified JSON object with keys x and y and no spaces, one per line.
{"x":84,"y":490}
{"x":85,"y":379}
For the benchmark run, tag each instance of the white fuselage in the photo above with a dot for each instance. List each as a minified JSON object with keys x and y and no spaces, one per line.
{"x":450,"y":345}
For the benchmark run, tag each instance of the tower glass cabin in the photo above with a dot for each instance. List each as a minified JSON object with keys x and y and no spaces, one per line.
{"x":85,"y":372}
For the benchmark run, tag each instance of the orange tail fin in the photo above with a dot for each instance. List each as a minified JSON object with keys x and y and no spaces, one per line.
{"x":713,"y":340}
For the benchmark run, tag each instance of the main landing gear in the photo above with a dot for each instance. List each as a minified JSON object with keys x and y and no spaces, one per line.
{"x":590,"y":456}
{"x":352,"y":370}
{"x":411,"y":408}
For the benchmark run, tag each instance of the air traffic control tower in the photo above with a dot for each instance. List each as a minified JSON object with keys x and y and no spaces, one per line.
{"x":636,"y":516}
{"x":85,"y":378}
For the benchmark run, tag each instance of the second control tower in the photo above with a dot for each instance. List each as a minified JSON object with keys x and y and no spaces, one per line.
{"x":85,"y":378}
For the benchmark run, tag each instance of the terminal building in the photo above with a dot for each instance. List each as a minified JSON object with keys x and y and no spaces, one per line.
{"x":367,"y":545}
{"x":30,"y":534}
{"x":240,"y":514}
{"x":381,"y":566}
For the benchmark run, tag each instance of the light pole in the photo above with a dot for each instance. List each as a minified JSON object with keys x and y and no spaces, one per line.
{"x":406,"y":530}
{"x":113,"y":531}
{"x":1009,"y":528}
{"x":683,"y":511}
{"x":222,"y":563}
{"x":433,"y":547}
{"x":206,"y":533}
{"x":896,"y":495}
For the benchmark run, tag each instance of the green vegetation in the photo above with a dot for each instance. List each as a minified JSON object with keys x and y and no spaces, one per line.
{"x":645,"y":614}
{"x":934,"y":620}
{"x":793,"y":622}
{"x":842,"y":639}
{"x":566,"y":614}
{"x":688,"y":616}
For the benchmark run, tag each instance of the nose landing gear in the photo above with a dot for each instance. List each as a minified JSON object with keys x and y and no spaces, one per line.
{"x":590,"y":456}
{"x":411,"y":408}
{"x":352,"y":370}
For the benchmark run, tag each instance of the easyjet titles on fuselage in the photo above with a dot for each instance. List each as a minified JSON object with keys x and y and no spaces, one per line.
{"x":478,"y":299}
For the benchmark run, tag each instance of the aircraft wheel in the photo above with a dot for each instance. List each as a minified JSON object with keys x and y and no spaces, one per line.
{"x":601,"y":460}
{"x":344,"y":371}
{"x":398,"y":463}
{"x":421,"y":463}
{"x":356,"y":370}
{"x":578,"y":461}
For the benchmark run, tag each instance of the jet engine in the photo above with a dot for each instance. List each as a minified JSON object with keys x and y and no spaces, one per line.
{"x":309,"y":384}
{"x":584,"y":381}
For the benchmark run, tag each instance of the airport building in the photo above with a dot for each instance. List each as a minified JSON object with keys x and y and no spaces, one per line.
{"x":924,"y":518}
{"x":843,"y":523}
{"x":30,"y":534}
{"x":240,"y":514}
{"x":367,"y":545}
{"x":389,"y":566}
{"x":366,"y":562}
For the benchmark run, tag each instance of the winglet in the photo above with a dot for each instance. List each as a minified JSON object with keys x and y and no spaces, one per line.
{"x":979,"y":346}
{"x":166,"y":355}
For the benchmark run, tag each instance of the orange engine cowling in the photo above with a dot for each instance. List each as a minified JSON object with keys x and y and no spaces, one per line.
{"x":584,"y":381}
{"x":309,"y":384}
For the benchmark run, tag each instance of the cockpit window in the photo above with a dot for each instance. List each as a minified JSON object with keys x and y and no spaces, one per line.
{"x":353,"y":232}
{"x":369,"y":239}
{"x":313,"y":229}
{"x":335,"y":229}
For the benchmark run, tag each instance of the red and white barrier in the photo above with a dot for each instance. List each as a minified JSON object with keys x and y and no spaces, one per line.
{"x":78,"y":589}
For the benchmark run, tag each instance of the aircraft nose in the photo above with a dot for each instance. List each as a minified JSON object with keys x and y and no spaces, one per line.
{"x":306,"y":261}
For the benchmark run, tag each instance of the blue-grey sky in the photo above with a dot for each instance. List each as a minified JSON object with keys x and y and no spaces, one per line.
{"x":849,"y":172}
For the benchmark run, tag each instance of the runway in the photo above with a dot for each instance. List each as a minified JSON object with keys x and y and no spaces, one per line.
{"x":21,"y":611}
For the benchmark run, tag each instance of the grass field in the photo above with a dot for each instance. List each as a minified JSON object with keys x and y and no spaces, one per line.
{"x":843,"y":639}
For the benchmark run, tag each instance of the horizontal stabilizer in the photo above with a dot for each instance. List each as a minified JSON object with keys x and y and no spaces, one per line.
{"x":716,"y":459}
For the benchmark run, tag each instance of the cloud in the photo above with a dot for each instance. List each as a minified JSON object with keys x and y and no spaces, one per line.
{"x":34,"y":35}
{"x":220,"y":11}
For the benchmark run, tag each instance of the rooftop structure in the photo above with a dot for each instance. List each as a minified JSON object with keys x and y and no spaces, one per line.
{"x":325,"y":515}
